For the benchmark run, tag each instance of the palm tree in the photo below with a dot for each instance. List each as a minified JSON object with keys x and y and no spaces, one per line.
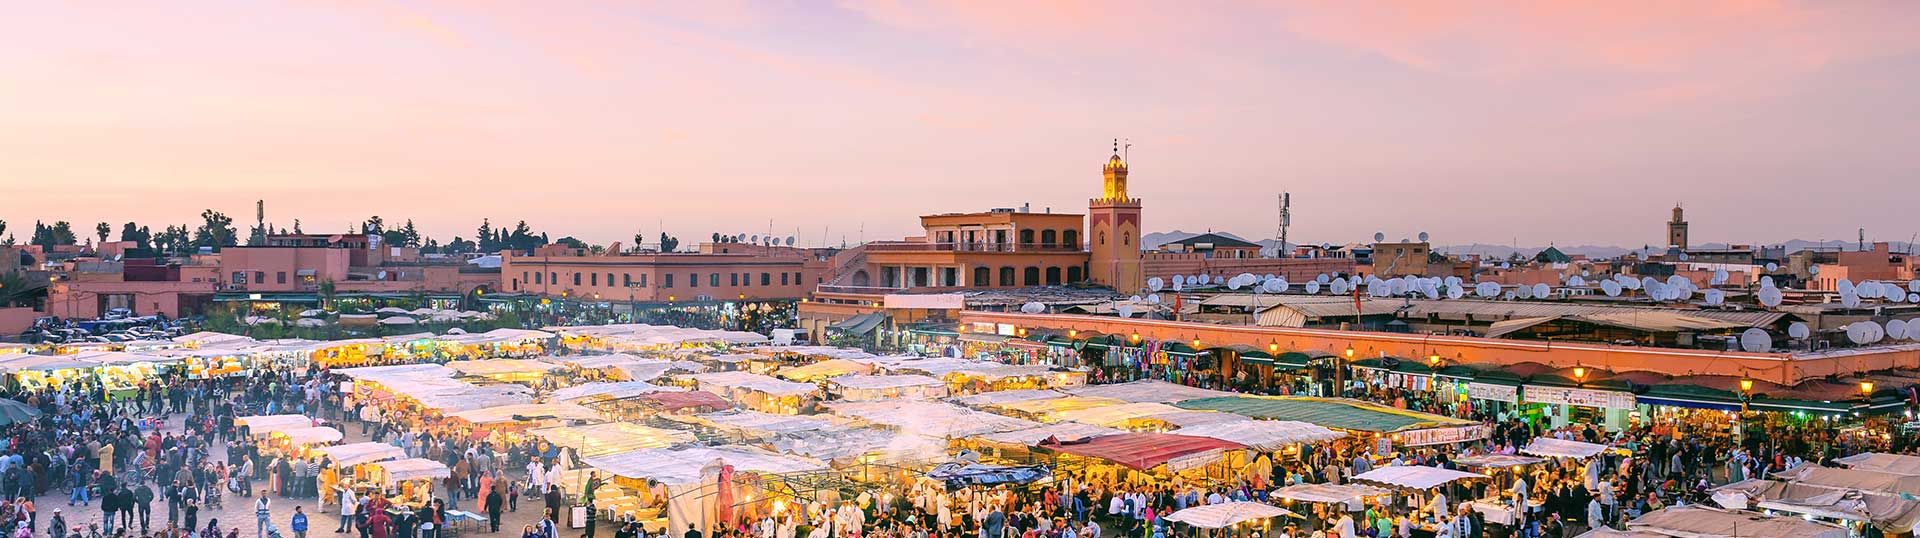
{"x":17,"y":290}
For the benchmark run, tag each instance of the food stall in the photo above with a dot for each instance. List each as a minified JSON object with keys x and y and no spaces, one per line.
{"x":263,"y":426}
{"x":346,"y":461}
{"x":757,"y":391}
{"x":862,"y":387}
{"x":823,"y":370}
{"x":407,"y":482}
{"x":1150,"y":458}
{"x":607,"y":438}
{"x":296,"y":442}
{"x":705,"y":488}
{"x":525,"y":371}
{"x":1419,"y":481}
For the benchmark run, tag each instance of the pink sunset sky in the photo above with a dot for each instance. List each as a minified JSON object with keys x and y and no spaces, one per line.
{"x":1571,"y":122}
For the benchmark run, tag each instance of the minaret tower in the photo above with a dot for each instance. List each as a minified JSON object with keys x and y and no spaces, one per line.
{"x":1113,"y":230}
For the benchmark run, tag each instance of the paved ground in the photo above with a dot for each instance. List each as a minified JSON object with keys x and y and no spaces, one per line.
{"x":239,"y":510}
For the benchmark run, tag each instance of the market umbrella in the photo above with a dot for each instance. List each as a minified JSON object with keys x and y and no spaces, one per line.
{"x":1223,"y":515}
{"x":13,"y":412}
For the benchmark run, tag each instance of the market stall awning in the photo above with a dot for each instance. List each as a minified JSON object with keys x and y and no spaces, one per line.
{"x":1143,"y":451}
{"x":310,"y":436}
{"x":1264,"y":435}
{"x":1886,"y":463}
{"x":1342,"y":414}
{"x":413,"y":469}
{"x":611,"y":437}
{"x":681,"y":466}
{"x":1891,"y":513}
{"x":881,"y":382}
{"x":1689,"y":396}
{"x":1227,"y":514}
{"x":1327,"y":493}
{"x":675,"y":401}
{"x":721,"y":382}
{"x":860,"y":324}
{"x":986,"y":399}
{"x":1875,"y":481}
{"x":843,"y":445}
{"x":491,"y":367}
{"x":1115,"y":415}
{"x":824,"y":369}
{"x":758,"y":424}
{"x":351,"y":454}
{"x":1059,"y":431}
{"x":1495,"y":461}
{"x":608,"y":390}
{"x":261,"y":425}
{"x":1697,"y":521}
{"x":938,"y":420}
{"x":1551,"y":447}
{"x":526,"y":412}
{"x":1415,"y":476}
{"x":1146,"y":391}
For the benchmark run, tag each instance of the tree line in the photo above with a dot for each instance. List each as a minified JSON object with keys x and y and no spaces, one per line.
{"x":216,"y":231}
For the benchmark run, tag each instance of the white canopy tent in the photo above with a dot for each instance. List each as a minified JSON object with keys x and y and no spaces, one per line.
{"x":526,"y":412}
{"x":1700,"y":522}
{"x":824,"y":369}
{"x":261,"y":425}
{"x":859,"y":387}
{"x":1415,"y":476}
{"x":1549,"y":447}
{"x":318,"y":435}
{"x":932,"y":419}
{"x":723,"y":382}
{"x":1264,"y":435}
{"x":680,"y":466}
{"x":1327,"y":493}
{"x":612,"y":437}
{"x":1227,"y":514}
{"x":1147,"y":391}
{"x":1006,"y":397}
{"x":500,"y":367}
{"x":845,"y":444}
{"x":610,"y":390}
{"x":1063,"y":431}
{"x":757,"y":424}
{"x":412,"y":469}
{"x":1887,"y":463}
{"x":351,"y":454}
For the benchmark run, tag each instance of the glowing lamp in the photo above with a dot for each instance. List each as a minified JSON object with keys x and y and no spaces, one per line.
{"x":1579,"y":373}
{"x":1746,"y":385}
{"x":1866,"y":387}
{"x":1273,"y":348}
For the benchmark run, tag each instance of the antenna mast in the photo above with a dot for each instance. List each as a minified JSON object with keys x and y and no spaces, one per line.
{"x":1286,"y":219}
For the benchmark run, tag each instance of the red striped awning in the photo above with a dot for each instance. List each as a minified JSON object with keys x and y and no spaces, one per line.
{"x":1141,"y":451}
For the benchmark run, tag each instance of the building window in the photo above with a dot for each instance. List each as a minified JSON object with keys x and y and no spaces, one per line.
{"x":668,"y":283}
{"x":766,"y":279}
{"x":783,"y":279}
{"x":693,"y":280}
{"x":553,"y":277}
{"x":594,"y":278}
{"x":982,"y":277}
{"x":643,"y":279}
{"x":1053,"y":276}
{"x":1073,"y":274}
{"x":713,"y":279}
{"x":240,"y":277}
{"x":1070,"y":239}
{"x":609,"y":279}
{"x":626,"y":279}
{"x":576,"y":279}
{"x":523,"y":276}
{"x":733,"y":279}
{"x":1126,"y":239}
{"x":1026,"y":237}
{"x":949,"y":276}
{"x":1103,"y":238}
{"x":796,"y":278}
{"x":515,"y":283}
{"x":1006,"y":277}
{"x":1046,"y":238}
{"x":259,"y":277}
{"x":280,"y":277}
{"x":536,"y":279}
{"x":1032,"y":276}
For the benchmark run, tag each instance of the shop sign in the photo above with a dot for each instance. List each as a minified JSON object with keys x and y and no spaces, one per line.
{"x":1489,"y":391}
{"x":1582,"y":397}
{"x":1441,"y":436}
{"x":1195,"y":460}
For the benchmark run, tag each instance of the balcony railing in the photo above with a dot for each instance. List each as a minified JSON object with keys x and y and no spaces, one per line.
{"x":861,"y":290}
{"x":916,"y":246}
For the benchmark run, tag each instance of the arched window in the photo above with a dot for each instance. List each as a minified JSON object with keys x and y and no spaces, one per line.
{"x":1032,"y":277}
{"x":1053,"y":276}
{"x":1126,"y":239}
{"x":1006,"y":277}
{"x":1073,"y":274}
{"x":1070,"y":239}
{"x":1047,"y":238}
{"x":1026,"y":237}
{"x":1103,"y":238}
{"x":982,"y":277}
{"x":861,"y":279}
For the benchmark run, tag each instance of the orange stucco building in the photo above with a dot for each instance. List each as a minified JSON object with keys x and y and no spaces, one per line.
{"x":760,"y":274}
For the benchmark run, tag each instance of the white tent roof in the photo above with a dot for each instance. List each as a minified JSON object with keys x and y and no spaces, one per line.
{"x":606,"y":389}
{"x":261,"y":425}
{"x":764,"y":424}
{"x":312,"y":436}
{"x":523,"y":412}
{"x":823,"y":369}
{"x":1550,"y":447}
{"x":397,"y":320}
{"x":1699,"y":522}
{"x":466,"y":397}
{"x":1326,"y":493}
{"x":210,"y":337}
{"x":1227,"y":514}
{"x":413,"y":468}
{"x":357,"y":453}
{"x":1147,"y":391}
{"x":499,"y":366}
{"x":1415,"y":476}
{"x":880,"y":382}
{"x":1110,"y":415}
{"x":1264,"y":435}
{"x":816,"y":351}
{"x":840,"y":445}
{"x":722,"y":382}
{"x":1886,"y":463}
{"x":1064,"y":431}
{"x":594,"y":361}
{"x":932,"y":419}
{"x":684,"y":465}
{"x":1006,"y":397}
{"x":612,"y":437}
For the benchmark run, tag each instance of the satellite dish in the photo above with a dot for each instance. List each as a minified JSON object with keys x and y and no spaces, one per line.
{"x":1913,"y":286}
{"x":1217,"y":279}
{"x":1913,"y":297}
{"x":1719,"y":277}
{"x":1379,"y":236}
{"x":1486,"y":290}
{"x":1867,"y":290}
{"x":1423,"y":237}
{"x":1813,"y":269}
{"x":1155,"y":283}
{"x":1505,"y":265}
{"x":1313,"y":287}
{"x":1766,"y":282}
{"x":1715,"y":297}
{"x":789,"y":240}
{"x":1798,"y":330}
{"x":1862,"y":332}
{"x":1584,"y":272}
{"x":1510,"y":295}
{"x":754,"y":239}
{"x":1683,"y":256}
{"x":1323,"y":279}
{"x":1452,"y":280}
{"x":1770,"y":297}
{"x":1576,"y":281}
{"x":1177,"y":286}
{"x":1153,"y":299}
{"x":1455,"y":292}
{"x":1135,"y":298}
{"x":1541,"y":291}
{"x":1431,"y":292}
{"x":1897,"y":329}
{"x":1894,"y":294}
{"x":1033,"y":307}
{"x":380,"y":276}
{"x":1629,"y":283}
{"x":1522,"y":292}
{"x":1850,"y":300}
{"x":1771,"y":267}
{"x":1610,"y":287}
{"x":1234,"y":284}
{"x":1125,"y":310}
{"x":1756,"y":341}
{"x":1338,"y":287}
{"x":1648,"y":283}
{"x":1397,"y":287}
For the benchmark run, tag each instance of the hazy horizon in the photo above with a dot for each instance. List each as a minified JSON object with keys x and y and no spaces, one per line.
{"x":1485,"y":122}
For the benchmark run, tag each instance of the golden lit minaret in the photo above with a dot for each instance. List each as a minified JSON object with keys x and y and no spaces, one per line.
{"x":1113,"y":230}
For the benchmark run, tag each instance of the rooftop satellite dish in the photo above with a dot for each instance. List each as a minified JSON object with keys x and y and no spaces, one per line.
{"x":789,"y":240}
{"x":1858,"y":333}
{"x":1755,"y":341}
{"x":1486,"y":290}
{"x":1770,"y":297}
{"x":1456,"y":292}
{"x":1868,"y":290}
{"x":380,"y":276}
{"x":1338,"y":287}
{"x":1155,"y":283}
{"x":1576,"y":281}
{"x":1719,"y":277}
{"x":1610,"y":287}
{"x":1033,"y":307}
{"x":1177,"y":286}
{"x":1766,"y":281}
{"x":1323,"y":279}
{"x":1431,"y":292}
{"x":1715,"y":297}
{"x":1799,"y":330}
{"x":1397,"y":287}
{"x":1813,"y":269}
{"x":1218,"y":279}
{"x":1379,"y":237}
{"x":1913,"y":286}
{"x":1510,"y":295}
{"x":1897,"y":329}
{"x":1452,"y":280}
{"x":1522,"y":292}
{"x":1541,"y":291}
{"x":1683,"y":256}
{"x":1584,"y":272}
{"x":1771,"y":267}
{"x":1233,"y":284}
{"x":1313,"y":287}
{"x":1505,"y":265}
{"x":1850,"y":300}
{"x":1125,"y":310}
{"x":1423,"y":237}
{"x":754,"y":239}
{"x":1648,"y":283}
{"x":1913,"y":297}
{"x":1135,"y":298}
{"x":1153,"y":299}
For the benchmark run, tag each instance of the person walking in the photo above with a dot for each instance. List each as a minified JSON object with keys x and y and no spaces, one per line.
{"x":494,"y":504}
{"x":347,"y":505}
{"x":143,"y":500}
{"x":299,"y":523}
{"x":262,"y":512}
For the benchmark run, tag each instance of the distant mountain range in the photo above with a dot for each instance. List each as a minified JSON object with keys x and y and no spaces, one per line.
{"x":1155,"y":239}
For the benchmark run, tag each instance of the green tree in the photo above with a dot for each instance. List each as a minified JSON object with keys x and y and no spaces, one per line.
{"x":484,"y":237}
{"x":216,"y":230}
{"x":410,"y":235}
{"x":374,"y":225}
{"x":459,"y":246}
{"x":102,"y":229}
{"x":141,"y":237}
{"x":60,"y":233}
{"x":571,"y":242}
{"x":668,"y":243}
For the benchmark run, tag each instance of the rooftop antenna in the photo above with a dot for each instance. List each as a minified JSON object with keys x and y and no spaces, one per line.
{"x":1286,"y":219}
{"x":1863,"y":239}
{"x":1126,"y":153}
